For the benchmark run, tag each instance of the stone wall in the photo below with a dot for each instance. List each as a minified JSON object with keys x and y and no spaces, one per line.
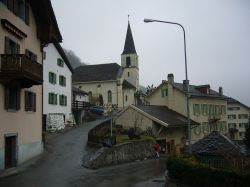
{"x":121,"y":153}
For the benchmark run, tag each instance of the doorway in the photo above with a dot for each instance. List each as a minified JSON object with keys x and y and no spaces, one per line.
{"x":10,"y":151}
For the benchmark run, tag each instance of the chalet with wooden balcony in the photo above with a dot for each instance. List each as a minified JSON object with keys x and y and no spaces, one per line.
{"x":25,"y":28}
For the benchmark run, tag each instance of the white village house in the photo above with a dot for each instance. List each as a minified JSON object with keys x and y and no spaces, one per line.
{"x":57,"y":87}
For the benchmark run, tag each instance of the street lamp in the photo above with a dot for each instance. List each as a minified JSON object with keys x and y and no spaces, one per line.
{"x":186,"y":73}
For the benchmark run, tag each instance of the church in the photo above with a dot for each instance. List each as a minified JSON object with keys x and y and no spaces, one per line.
{"x":112,"y":84}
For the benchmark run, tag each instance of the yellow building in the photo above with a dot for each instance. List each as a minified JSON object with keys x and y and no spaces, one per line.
{"x":26,"y":26}
{"x":207,"y":107}
{"x":238,"y":116}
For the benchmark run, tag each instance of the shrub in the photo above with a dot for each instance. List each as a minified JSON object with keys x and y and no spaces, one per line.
{"x":188,"y":170}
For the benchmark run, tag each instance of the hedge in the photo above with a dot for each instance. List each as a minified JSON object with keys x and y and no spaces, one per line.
{"x":188,"y":171}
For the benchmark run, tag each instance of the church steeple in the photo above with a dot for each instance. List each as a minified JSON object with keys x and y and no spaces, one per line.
{"x":129,"y":47}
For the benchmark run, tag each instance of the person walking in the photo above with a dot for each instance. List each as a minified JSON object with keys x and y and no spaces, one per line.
{"x":157,"y":148}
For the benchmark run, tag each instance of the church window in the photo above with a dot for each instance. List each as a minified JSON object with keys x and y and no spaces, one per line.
{"x":128,"y":74}
{"x":128,"y":61}
{"x":109,"y":96}
{"x":126,"y":98}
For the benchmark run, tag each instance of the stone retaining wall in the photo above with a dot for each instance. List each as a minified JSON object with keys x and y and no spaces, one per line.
{"x":121,"y":153}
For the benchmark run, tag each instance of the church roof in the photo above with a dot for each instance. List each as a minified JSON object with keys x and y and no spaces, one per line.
{"x":99,"y":72}
{"x":127,"y":84}
{"x":129,"y":47}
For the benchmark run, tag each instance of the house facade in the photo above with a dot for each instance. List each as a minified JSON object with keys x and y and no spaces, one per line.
{"x":207,"y":107}
{"x":238,"y":116}
{"x":26,"y":26}
{"x":111,"y":84}
{"x":57,"y":86}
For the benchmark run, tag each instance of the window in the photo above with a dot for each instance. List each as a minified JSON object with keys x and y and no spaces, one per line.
{"x":109,"y":96}
{"x":60,"y":62}
{"x":63,"y":100}
{"x":217,"y":110}
{"x":223,"y":110}
{"x":53,"y":98}
{"x":211,"y":110}
{"x":206,"y":128}
{"x":231,"y":116}
{"x":204,"y":109}
{"x":128,"y":61}
{"x":242,"y":134}
{"x":243,"y":125}
{"x":19,"y":7}
{"x":231,"y":125}
{"x":12,"y":98}
{"x":31,"y":55}
{"x":126,"y":98}
{"x":44,"y":55}
{"x":164,"y":92}
{"x":62,"y":80}
{"x":197,"y":130}
{"x":233,"y":108}
{"x":243,"y":116}
{"x":52,"y":77}
{"x":196,"y":108}
{"x":222,"y":125}
{"x":30,"y":101}
{"x":128,"y":74}
{"x":11,"y":47}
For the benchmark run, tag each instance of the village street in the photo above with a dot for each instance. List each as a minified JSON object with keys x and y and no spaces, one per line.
{"x":60,"y":166}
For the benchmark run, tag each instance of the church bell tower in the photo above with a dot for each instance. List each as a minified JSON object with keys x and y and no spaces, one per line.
{"x":129,"y":60}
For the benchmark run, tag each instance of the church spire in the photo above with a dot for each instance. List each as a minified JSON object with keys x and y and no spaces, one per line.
{"x":129,"y":47}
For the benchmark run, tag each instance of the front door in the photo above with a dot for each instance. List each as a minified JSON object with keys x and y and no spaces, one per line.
{"x":10,"y":151}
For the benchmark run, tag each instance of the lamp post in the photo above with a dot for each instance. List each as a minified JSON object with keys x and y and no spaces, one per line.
{"x":186,"y":74}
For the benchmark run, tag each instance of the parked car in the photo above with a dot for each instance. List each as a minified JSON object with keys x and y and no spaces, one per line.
{"x":97,"y":110}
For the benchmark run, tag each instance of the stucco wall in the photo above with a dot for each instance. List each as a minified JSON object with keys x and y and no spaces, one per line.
{"x":105,"y":87}
{"x":128,"y":118}
{"x":50,"y":65}
{"x":27,"y":125}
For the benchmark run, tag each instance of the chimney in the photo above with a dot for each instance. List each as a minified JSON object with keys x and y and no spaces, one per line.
{"x":171,"y":78}
{"x":220,"y":91}
{"x":184,"y":85}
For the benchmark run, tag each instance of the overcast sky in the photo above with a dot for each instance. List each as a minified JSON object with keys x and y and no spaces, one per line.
{"x":217,"y":35}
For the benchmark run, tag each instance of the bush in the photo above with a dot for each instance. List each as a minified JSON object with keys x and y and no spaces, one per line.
{"x":188,"y":170}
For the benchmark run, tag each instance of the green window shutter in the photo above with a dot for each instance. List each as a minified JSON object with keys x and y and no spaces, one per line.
{"x":56,"y":99}
{"x":49,"y":98}
{"x":65,"y":101}
{"x":50,"y":77}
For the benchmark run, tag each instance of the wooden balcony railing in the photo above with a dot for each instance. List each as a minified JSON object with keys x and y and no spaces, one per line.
{"x":20,"y":67}
{"x":80,"y":105}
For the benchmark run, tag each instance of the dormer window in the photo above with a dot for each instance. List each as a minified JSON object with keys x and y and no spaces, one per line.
{"x":128,"y":61}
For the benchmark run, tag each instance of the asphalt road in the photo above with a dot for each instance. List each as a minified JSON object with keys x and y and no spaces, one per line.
{"x":60,"y":166}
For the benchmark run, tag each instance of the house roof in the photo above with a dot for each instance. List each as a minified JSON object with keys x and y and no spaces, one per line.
{"x":163,"y":115}
{"x":128,"y":85}
{"x":193,"y":90}
{"x":48,"y":30}
{"x":78,"y":91}
{"x":64,"y":57}
{"x":129,"y":47}
{"x":231,"y":100}
{"x":99,"y":72}
{"x":215,"y":144}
